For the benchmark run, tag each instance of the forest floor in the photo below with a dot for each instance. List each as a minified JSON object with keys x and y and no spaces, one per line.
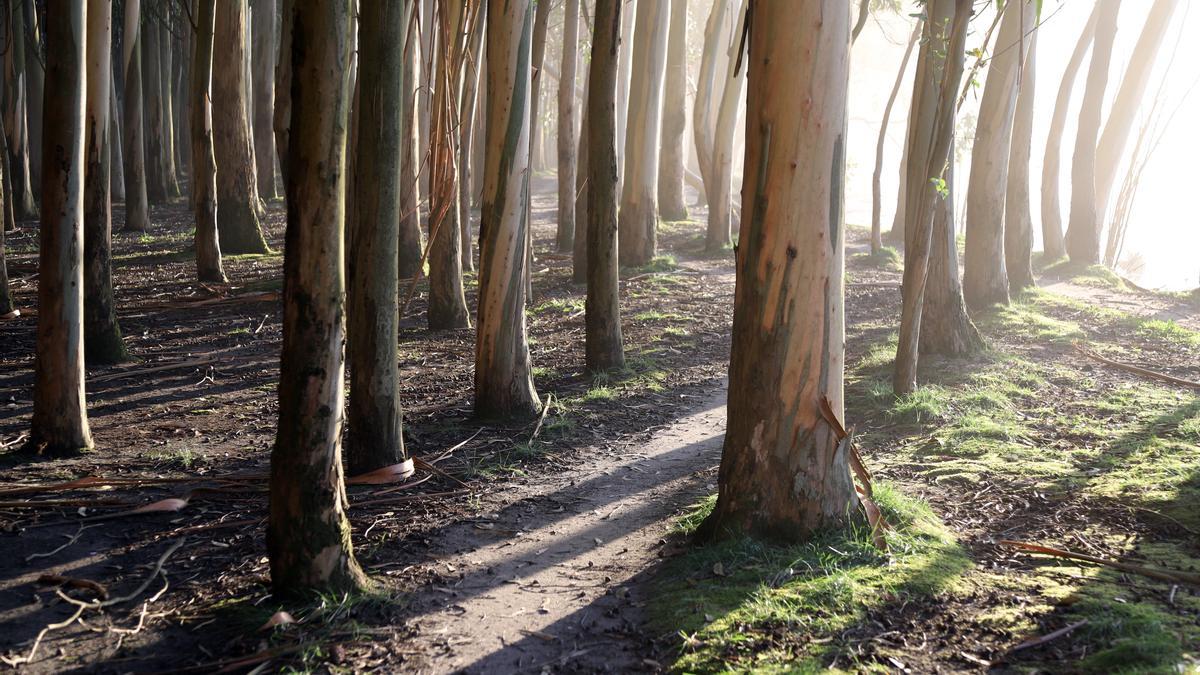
{"x":561,"y":544}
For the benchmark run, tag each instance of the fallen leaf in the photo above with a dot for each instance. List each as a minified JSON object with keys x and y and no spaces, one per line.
{"x":280,"y":618}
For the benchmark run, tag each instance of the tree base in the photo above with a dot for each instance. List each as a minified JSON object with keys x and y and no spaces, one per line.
{"x":105,"y":347}
{"x":240,"y":233}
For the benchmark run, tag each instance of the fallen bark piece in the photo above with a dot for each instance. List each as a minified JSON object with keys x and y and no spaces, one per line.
{"x":388,"y":474}
{"x":1162,"y":377}
{"x":74,"y":582}
{"x":1173,"y":576}
{"x":1041,"y":640}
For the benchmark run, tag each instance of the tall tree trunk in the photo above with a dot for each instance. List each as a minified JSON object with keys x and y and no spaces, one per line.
{"x":603,"y":342}
{"x":411,"y":251}
{"x":376,"y":439}
{"x":1053,"y":246}
{"x":204,"y":159}
{"x":102,"y":331}
{"x":720,"y":191}
{"x":282,"y":115}
{"x":265,"y":29}
{"x":151,"y":56}
{"x":638,"y":220}
{"x":702,"y":111}
{"x":541,"y":21}
{"x":1083,"y":228}
{"x":182,"y":104}
{"x":624,"y":70}
{"x":876,"y":190}
{"x":447,"y":300}
{"x":16,"y":96}
{"x":946,"y":328}
{"x":939,"y":70}
{"x":166,"y":73}
{"x":568,"y":140}
{"x":429,"y":51}
{"x":466,"y":127}
{"x":579,"y":250}
{"x":60,"y":424}
{"x":782,"y":473}
{"x":985,"y":279}
{"x":35,"y":90}
{"x":503,"y":373}
{"x":6,"y":304}
{"x":117,"y":160}
{"x":237,"y":183}
{"x":1111,"y":147}
{"x":308,"y":535}
{"x":10,"y":221}
{"x":1018,"y":214}
{"x":137,"y":212}
{"x":674,"y":121}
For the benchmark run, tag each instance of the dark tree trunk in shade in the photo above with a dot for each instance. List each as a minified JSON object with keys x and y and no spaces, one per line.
{"x":204,"y":159}
{"x":137,"y":213}
{"x":6,"y":304}
{"x":282,"y":115}
{"x":35,"y":90}
{"x":264,"y":29}
{"x":603,"y":347}
{"x":375,"y":437}
{"x":238,"y":218}
{"x":579,"y":264}
{"x":946,"y":328}
{"x":166,"y":73}
{"x":308,"y":534}
{"x":674,"y":118}
{"x":783,"y":473}
{"x":10,"y":221}
{"x":16,"y":114}
{"x":60,"y":424}
{"x":1018,"y":214}
{"x":102,"y":332}
{"x":156,"y":180}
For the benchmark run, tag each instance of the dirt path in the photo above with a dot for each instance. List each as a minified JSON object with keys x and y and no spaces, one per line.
{"x":552,"y":579}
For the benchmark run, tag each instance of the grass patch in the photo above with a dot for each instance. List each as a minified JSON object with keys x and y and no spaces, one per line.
{"x":746,"y":606}
{"x":887,"y":258}
{"x":560,"y":306}
{"x":182,"y":458}
{"x":1096,"y":276}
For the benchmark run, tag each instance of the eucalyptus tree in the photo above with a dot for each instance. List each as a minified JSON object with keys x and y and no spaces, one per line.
{"x":264,"y":18}
{"x":137,"y":213}
{"x":60,"y":424}
{"x":674,"y":118}
{"x":568,"y":141}
{"x":784,"y":475}
{"x":16,"y":97}
{"x":308,"y":534}
{"x":204,"y":159}
{"x":1018,"y":215}
{"x":503,"y":372}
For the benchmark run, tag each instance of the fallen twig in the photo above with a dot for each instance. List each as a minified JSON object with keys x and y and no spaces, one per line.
{"x":155,"y":369}
{"x":1039,"y":641}
{"x":409,"y":498}
{"x":1162,"y":377}
{"x":1172,"y":576}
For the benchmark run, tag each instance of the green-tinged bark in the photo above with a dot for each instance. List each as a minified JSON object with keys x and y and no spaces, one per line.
{"x":783,"y":473}
{"x":503,"y":374}
{"x":308,"y":534}
{"x":375,"y":438}
{"x":204,"y":160}
{"x":102,"y":331}
{"x":60,"y":423}
{"x":238,"y":218}
{"x":603,"y":341}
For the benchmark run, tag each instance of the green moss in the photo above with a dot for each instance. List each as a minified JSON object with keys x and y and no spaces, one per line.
{"x":748,"y":606}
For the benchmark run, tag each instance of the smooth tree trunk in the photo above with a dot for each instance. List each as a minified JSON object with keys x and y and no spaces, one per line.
{"x":238,"y":218}
{"x":16,"y":97}
{"x":706,"y":84}
{"x":1119,"y":127}
{"x":783,"y":473}
{"x":541,"y":23}
{"x":374,"y":419}
{"x":411,"y":251}
{"x":1083,"y":230}
{"x":1053,"y":246}
{"x":156,"y":179}
{"x":876,"y":177}
{"x":579,"y":249}
{"x":60,"y":424}
{"x":10,"y":221}
{"x":117,"y":161}
{"x":674,"y":118}
{"x":985,"y":278}
{"x":137,"y":210}
{"x":946,"y":327}
{"x":35,"y":90}
{"x":282,"y":115}
{"x":308,"y":534}
{"x":503,"y":372}
{"x":468,"y":109}
{"x":1018,"y":213}
{"x":603,"y":342}
{"x":6,"y":304}
{"x":447,"y":298}
{"x":102,"y":332}
{"x":568,"y":122}
{"x":204,"y":159}
{"x":939,"y":70}
{"x":265,"y":29}
{"x":638,"y":220}
{"x":719,"y":234}
{"x":170,"y":175}
{"x":625,"y":69}
{"x":429,"y":9}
